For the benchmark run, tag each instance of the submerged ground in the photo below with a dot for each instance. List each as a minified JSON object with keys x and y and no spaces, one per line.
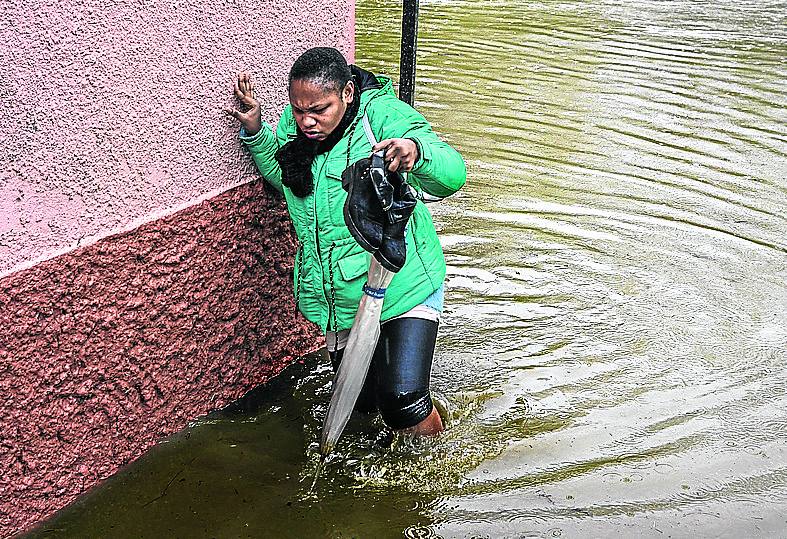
{"x":613,"y":350}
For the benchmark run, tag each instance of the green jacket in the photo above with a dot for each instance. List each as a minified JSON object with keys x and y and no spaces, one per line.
{"x":330,"y":266}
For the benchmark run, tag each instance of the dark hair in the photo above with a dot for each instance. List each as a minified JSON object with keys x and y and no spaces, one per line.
{"x":324,"y":66}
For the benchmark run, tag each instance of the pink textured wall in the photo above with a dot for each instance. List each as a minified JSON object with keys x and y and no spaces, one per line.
{"x":107,"y":349}
{"x":111,"y":111}
{"x":143,"y":279}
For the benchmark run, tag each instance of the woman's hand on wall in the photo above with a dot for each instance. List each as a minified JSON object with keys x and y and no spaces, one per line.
{"x":251,"y":119}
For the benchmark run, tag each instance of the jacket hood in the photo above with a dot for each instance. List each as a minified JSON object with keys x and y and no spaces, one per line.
{"x":371,"y":86}
{"x":364,"y":79}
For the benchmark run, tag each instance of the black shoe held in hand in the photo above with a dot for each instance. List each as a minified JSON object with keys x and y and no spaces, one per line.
{"x":363,"y":214}
{"x":379,"y":204}
{"x":393,"y":253}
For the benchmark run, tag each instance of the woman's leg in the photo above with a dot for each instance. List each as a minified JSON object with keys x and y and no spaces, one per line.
{"x":367,"y":402}
{"x":402,"y":365}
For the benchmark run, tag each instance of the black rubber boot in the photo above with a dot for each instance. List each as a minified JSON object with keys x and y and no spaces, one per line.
{"x":393,"y":251}
{"x":363,"y":213}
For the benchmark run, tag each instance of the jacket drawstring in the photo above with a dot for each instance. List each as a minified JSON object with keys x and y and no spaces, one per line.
{"x":332,"y":306}
{"x":299,"y":266}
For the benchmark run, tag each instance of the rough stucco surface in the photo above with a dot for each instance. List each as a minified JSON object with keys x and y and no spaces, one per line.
{"x":112,"y":111}
{"x":107,"y":349}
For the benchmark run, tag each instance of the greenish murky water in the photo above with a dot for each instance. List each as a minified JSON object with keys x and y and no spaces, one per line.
{"x":614,"y":348}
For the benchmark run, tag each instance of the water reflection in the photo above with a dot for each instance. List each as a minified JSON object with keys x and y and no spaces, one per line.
{"x":617,"y":290}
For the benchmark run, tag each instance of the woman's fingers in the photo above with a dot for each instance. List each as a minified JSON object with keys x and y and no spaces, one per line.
{"x":397,"y":154}
{"x":243,"y":86}
{"x":243,"y":89}
{"x":247,"y":85}
{"x":383,"y":144}
{"x":236,"y":88}
{"x":400,"y":153}
{"x":393,"y":166}
{"x":391,"y":157}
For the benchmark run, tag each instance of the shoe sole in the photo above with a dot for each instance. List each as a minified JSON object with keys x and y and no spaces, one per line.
{"x":386,"y":263}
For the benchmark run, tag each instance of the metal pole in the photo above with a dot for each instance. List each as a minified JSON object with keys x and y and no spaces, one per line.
{"x":407,"y":59}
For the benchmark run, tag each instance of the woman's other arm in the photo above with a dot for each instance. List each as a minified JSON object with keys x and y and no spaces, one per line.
{"x":437,"y":168}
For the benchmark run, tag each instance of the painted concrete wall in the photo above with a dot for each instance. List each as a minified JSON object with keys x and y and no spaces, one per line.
{"x":111,"y":111}
{"x":105,"y":350}
{"x":145,"y":273}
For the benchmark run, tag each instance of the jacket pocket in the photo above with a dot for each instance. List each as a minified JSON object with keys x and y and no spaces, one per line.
{"x":334,"y":169}
{"x":336,"y":194}
{"x":353,"y":266}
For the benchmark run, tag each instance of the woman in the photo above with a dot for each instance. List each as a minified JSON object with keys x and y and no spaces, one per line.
{"x":317,"y":138}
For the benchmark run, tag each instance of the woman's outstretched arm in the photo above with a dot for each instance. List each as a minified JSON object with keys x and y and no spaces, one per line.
{"x":257,"y":136}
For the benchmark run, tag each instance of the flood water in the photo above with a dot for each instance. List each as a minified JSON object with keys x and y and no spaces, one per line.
{"x":613,"y":353}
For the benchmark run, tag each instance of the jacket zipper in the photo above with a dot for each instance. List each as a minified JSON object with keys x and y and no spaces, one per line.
{"x":317,"y":238}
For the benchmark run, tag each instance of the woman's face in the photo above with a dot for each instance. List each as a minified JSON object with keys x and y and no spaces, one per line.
{"x":318,"y":109}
